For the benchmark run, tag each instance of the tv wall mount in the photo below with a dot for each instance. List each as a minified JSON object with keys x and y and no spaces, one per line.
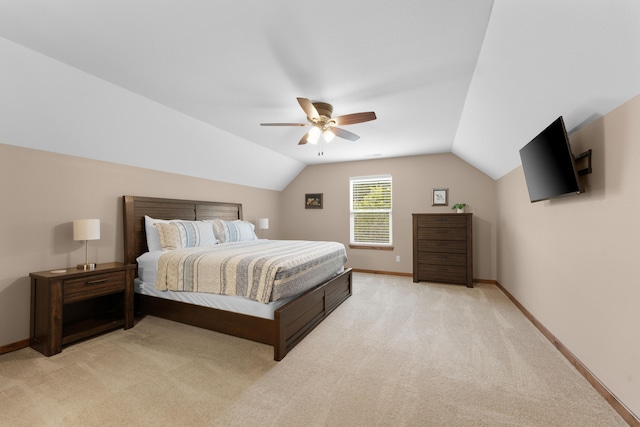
{"x":586,"y":155}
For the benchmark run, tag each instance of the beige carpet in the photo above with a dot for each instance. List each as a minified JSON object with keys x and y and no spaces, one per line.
{"x":396,"y":353}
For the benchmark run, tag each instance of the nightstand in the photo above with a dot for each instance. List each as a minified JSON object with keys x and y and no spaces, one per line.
{"x":71,"y":305}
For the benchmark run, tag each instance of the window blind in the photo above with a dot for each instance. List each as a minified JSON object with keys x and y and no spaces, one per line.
{"x":371,"y":210}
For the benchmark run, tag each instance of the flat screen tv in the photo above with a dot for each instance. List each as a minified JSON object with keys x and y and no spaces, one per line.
{"x":548,"y":164}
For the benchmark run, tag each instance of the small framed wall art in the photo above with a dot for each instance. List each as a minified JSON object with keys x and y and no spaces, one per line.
{"x":313,"y":201}
{"x":440,"y":197}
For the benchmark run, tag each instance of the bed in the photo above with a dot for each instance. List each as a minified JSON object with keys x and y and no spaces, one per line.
{"x":288,"y":323}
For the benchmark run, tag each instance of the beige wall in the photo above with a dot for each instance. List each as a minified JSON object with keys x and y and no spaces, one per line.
{"x":42,"y":193}
{"x":413,"y":180}
{"x":574,"y":262}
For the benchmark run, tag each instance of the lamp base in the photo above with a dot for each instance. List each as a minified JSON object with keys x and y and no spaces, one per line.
{"x":87,"y":267}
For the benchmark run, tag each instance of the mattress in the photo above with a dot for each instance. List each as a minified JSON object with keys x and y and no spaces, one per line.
{"x":261,"y":270}
{"x":145,"y":285}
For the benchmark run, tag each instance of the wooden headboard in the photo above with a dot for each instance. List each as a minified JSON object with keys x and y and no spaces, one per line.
{"x":135,"y":208}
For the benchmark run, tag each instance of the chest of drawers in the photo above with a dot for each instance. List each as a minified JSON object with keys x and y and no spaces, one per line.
{"x":442,"y":248}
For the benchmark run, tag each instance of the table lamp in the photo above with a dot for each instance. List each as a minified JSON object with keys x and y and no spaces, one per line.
{"x":263,"y":224}
{"x":86,"y":229}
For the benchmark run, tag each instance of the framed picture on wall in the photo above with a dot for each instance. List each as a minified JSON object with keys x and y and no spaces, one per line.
{"x":440,"y":197}
{"x":313,"y":201}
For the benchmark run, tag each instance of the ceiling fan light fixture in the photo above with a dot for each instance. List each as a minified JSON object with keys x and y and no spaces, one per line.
{"x":328,"y":135}
{"x":314,"y":134}
{"x":321,"y":122}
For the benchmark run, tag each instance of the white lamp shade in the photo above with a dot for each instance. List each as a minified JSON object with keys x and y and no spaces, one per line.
{"x":314,"y":134}
{"x":263,"y":223}
{"x":328,"y":135}
{"x":86,"y":229}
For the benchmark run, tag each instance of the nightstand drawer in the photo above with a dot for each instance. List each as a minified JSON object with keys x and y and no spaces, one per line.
{"x":92,"y":286}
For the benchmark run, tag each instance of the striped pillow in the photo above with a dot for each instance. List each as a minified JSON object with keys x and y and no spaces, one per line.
{"x":185,"y":234}
{"x":233,"y":231}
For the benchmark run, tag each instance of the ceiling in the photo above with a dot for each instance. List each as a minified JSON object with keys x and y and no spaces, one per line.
{"x":478,"y":78}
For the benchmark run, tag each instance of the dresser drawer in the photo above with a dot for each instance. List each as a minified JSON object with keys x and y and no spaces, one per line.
{"x":442,"y":233}
{"x":92,"y":286}
{"x":442,"y":273}
{"x":442,"y":221}
{"x":442,"y":246}
{"x":440,"y":258}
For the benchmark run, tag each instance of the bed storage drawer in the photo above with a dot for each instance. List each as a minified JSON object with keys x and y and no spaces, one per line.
{"x":337,"y":291}
{"x":300,"y":316}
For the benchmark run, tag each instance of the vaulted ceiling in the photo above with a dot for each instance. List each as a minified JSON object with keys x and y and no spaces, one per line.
{"x":478,"y":78}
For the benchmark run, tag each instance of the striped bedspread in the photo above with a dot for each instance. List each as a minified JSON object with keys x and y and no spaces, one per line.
{"x":262,"y":270}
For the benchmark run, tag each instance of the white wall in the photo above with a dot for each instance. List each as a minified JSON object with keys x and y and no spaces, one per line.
{"x":51,"y":106}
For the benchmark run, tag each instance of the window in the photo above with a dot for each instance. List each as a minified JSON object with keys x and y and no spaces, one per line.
{"x":371,"y":210}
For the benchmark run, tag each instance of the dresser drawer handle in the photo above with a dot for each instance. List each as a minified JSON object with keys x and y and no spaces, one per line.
{"x":95,"y":282}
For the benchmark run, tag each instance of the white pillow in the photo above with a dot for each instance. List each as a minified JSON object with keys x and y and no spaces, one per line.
{"x":233,"y":231}
{"x":153,"y":238}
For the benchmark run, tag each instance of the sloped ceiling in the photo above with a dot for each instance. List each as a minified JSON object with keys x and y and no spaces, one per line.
{"x":478,"y":78}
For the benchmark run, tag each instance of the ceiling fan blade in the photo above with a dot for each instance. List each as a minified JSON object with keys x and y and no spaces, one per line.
{"x":344,"y":134}
{"x":304,"y":139}
{"x":308,"y":108}
{"x":284,"y":124}
{"x":351,"y":119}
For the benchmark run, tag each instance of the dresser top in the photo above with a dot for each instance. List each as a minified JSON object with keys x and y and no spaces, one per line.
{"x":441,"y":214}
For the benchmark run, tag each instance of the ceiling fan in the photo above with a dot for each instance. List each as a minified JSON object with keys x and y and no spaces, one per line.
{"x":321,"y":122}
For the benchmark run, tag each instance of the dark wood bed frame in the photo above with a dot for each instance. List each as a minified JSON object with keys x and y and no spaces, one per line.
{"x":291,"y":323}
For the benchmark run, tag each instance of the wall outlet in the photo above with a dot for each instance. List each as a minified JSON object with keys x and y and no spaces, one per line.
{"x":397,"y":258}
